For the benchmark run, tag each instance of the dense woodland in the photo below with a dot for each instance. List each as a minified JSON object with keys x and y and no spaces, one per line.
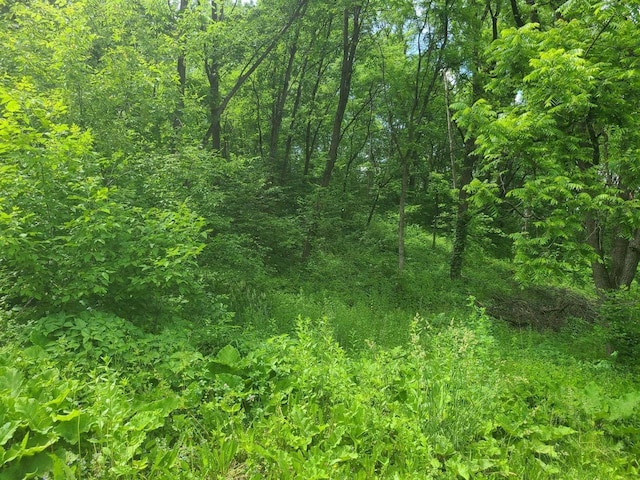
{"x":319,"y":239}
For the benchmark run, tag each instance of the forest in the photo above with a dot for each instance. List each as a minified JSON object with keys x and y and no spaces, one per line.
{"x":319,"y":239}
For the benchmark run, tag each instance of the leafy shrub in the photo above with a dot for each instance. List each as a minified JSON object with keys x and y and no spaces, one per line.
{"x":73,"y":428}
{"x":69,"y":239}
{"x":620,"y":312}
{"x":87,"y":340}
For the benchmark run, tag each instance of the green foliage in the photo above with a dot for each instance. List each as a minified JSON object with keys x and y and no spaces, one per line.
{"x":119,"y":355}
{"x":71,"y":241}
{"x":461,"y":397}
{"x":555,"y":107}
{"x":71,"y":428}
{"x":438,"y":406}
{"x":620,"y":312}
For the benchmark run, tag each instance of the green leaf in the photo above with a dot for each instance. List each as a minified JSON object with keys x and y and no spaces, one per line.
{"x":11,"y":381}
{"x":7,"y":430}
{"x":228,"y":355}
{"x":12,"y":106}
{"x":165,"y":405}
{"x":38,"y":418}
{"x":73,"y":425}
{"x":146,"y":421}
{"x":29,"y":467}
{"x":544,"y":449}
{"x":623,"y":407}
{"x":232,"y":381}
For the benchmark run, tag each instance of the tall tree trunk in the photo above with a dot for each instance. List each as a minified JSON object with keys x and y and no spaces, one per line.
{"x":212,"y":69}
{"x":402,"y":214}
{"x":284,"y":167}
{"x":181,"y":67}
{"x":466,"y":175}
{"x":350,"y":39}
{"x":434,"y":225}
{"x":215,"y":113}
{"x":256,"y":93}
{"x":618,"y":257}
{"x":462,"y":213}
{"x":516,"y":14}
{"x":632,"y":258}
{"x":599,"y":270}
{"x":277,"y":111}
{"x":449,"y":128}
{"x":313,"y":125}
{"x":372,"y":210}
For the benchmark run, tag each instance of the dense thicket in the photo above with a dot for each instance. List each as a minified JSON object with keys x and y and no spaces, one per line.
{"x":178,"y":175}
{"x":288,"y":126}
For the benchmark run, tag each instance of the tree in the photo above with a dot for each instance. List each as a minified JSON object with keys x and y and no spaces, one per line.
{"x":471,"y":28}
{"x":352,"y":22}
{"x":213,"y":62}
{"x":410,"y":74}
{"x":571,"y":130}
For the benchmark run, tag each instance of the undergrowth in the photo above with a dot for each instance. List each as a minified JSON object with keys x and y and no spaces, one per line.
{"x":353,"y":373}
{"x":450,"y":403}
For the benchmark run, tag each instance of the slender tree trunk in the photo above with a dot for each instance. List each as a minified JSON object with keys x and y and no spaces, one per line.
{"x":294,"y":115}
{"x":181,"y":67}
{"x":434,"y":226}
{"x":372,"y":210}
{"x":466,"y":175}
{"x":350,"y":39}
{"x":256,"y":93}
{"x":462,"y":214}
{"x":402,"y":214}
{"x":215,"y":114}
{"x":313,"y":125}
{"x":212,"y":69}
{"x":449,"y":128}
{"x":277,"y":111}
{"x":218,"y":103}
{"x":516,"y":14}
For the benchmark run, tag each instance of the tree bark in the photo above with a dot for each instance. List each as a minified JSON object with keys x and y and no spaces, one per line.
{"x":516,"y":14}
{"x":632,"y":258}
{"x":284,"y":167}
{"x":277,"y":110}
{"x":350,"y":39}
{"x":313,"y":125}
{"x":466,"y":175}
{"x":449,"y":128}
{"x":181,"y":67}
{"x":599,"y":271}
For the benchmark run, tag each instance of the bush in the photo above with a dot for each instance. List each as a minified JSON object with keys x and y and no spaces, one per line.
{"x":619,"y":315}
{"x":71,"y":241}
